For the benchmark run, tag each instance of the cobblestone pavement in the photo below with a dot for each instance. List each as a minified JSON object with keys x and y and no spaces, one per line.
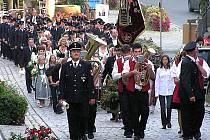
{"x":105,"y":128}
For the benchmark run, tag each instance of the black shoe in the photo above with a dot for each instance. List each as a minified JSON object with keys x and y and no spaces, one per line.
{"x":142,"y":134}
{"x":94,"y":128}
{"x":197,"y":136}
{"x":188,"y":138}
{"x":164,"y":127}
{"x":169,"y":125}
{"x":112,"y":119}
{"x":90,"y":136}
{"x":137,"y":138}
{"x":59,"y":112}
{"x":84,"y":137}
{"x":129,"y":135}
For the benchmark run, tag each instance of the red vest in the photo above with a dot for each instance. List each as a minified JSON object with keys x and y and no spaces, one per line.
{"x":120,"y":69}
{"x":131,"y":83}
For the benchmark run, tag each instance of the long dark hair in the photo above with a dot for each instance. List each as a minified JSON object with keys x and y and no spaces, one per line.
{"x":161,"y":62}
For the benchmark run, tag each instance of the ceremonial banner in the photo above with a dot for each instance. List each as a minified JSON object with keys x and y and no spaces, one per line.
{"x":130,"y":21}
{"x":66,"y":11}
{"x":102,"y":11}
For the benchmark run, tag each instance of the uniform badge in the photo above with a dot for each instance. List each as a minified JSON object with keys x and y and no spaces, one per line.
{"x":83,"y":78}
{"x":91,"y":72}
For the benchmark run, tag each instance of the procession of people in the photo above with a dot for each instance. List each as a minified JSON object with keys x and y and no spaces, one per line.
{"x":52,"y":53}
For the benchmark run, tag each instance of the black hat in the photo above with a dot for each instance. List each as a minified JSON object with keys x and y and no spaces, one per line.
{"x":13,"y":19}
{"x":101,"y":22}
{"x":4,"y":17}
{"x":63,"y":20}
{"x":20,"y":22}
{"x":190,"y":46}
{"x":39,"y":30}
{"x":75,"y":46}
{"x":93,"y":22}
{"x":49,"y":20}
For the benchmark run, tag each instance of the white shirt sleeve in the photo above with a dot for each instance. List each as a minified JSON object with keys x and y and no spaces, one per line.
{"x":157,"y":82}
{"x":126,"y":67}
{"x":150,"y":62}
{"x":115,"y":74}
{"x":178,"y":69}
{"x":206,"y":68}
{"x":173,"y":70}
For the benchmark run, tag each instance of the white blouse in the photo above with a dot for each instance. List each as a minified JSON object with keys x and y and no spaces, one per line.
{"x":164,"y":84}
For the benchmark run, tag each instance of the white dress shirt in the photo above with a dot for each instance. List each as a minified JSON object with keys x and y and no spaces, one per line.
{"x":73,"y":62}
{"x":164,"y":84}
{"x":115,"y":74}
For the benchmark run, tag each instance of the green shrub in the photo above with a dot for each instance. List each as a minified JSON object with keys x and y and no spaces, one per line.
{"x":148,"y":43}
{"x":13,"y":106}
{"x":113,"y":4}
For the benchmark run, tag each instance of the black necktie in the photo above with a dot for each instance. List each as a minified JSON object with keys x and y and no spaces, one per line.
{"x":75,"y":64}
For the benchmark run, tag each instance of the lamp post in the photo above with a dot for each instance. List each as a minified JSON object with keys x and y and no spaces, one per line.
{"x":160,"y":7}
{"x":206,"y":14}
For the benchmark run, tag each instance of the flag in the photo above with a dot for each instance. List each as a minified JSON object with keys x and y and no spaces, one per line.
{"x":127,"y":34}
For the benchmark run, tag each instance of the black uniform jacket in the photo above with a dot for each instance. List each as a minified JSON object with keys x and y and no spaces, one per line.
{"x":189,"y":81}
{"x":76,"y":84}
{"x":108,"y":67}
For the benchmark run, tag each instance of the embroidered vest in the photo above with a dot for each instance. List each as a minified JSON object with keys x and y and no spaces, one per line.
{"x":131,"y":83}
{"x":120,"y":69}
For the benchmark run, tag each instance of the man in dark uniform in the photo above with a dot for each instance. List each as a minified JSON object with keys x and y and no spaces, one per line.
{"x":5,"y":36}
{"x":21,"y":37}
{"x":192,"y":93}
{"x":25,"y":58}
{"x":77,"y":89}
{"x":110,"y":63}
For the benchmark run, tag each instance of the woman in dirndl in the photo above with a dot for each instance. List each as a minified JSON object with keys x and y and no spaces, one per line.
{"x":42,"y":92}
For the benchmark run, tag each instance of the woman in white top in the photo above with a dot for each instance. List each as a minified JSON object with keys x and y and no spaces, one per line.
{"x":164,"y":87}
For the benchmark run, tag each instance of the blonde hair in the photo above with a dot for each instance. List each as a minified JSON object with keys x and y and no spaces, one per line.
{"x":41,"y":57}
{"x":62,"y":39}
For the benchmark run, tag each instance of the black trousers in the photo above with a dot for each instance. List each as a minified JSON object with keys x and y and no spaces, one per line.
{"x":139,"y":106}
{"x":192,"y":117}
{"x":77,"y":119}
{"x":91,"y":118}
{"x":54,"y":93}
{"x":16,"y":55}
{"x":165,"y":102}
{"x":125,"y":111}
{"x":4,"y":49}
{"x":28,"y":79}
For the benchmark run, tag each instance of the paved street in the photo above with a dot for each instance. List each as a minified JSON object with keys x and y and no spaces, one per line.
{"x":177,"y":10}
{"x":105,"y":128}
